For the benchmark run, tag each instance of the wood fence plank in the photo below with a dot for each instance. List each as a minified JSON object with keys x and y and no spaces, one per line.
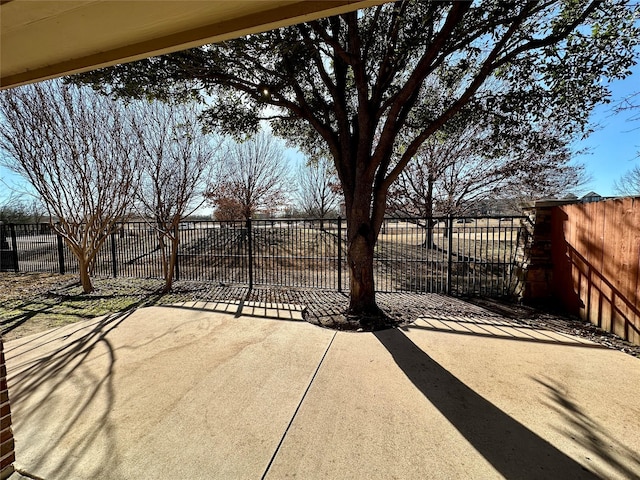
{"x":631,"y":287}
{"x":608,"y":244}
{"x":618,"y":262}
{"x":582,"y":239}
{"x":603,"y":241}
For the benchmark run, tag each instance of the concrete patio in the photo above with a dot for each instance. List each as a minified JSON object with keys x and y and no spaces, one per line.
{"x":248,"y":391}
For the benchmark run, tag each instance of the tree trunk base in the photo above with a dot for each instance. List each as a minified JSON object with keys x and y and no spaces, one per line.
{"x":360,"y":322}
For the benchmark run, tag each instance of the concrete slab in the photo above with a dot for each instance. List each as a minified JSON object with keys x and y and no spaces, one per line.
{"x":364,"y":419}
{"x":280,"y":311}
{"x":566,"y":397}
{"x":159,"y":393}
{"x":424,"y":403}
{"x":189,"y":392}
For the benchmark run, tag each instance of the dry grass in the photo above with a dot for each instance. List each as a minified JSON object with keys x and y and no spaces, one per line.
{"x":34,"y":302}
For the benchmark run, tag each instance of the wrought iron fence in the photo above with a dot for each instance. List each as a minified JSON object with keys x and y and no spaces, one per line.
{"x":460,"y":256}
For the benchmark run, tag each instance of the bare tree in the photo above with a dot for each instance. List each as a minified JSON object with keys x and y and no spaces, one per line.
{"x":412,"y":194}
{"x":13,"y":209}
{"x":74,"y":147}
{"x":318,"y":191}
{"x":630,"y":104}
{"x":253,"y":175}
{"x":629,"y":182}
{"x":456,"y":169}
{"x":177,"y":158}
{"x":228,"y":209}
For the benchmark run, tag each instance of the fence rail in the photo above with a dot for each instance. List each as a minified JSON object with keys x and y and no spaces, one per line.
{"x":460,"y":256}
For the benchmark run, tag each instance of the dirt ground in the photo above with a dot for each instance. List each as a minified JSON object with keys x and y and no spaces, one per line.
{"x":34,"y":302}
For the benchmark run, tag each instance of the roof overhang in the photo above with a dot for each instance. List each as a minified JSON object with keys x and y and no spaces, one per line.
{"x":42,"y":39}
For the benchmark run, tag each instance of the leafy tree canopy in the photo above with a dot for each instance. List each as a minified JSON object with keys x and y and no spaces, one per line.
{"x":375,"y":84}
{"x":549,"y":58}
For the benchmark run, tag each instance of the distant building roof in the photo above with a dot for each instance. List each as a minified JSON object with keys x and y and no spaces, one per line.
{"x":591,"y":197}
{"x":592,"y":194}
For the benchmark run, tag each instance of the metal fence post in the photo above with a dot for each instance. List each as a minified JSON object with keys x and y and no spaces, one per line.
{"x":339,"y":254}
{"x":176,"y":271}
{"x":113,"y":255}
{"x":14,"y":245}
{"x":60,"y":254}
{"x":4,"y":245}
{"x":250,"y":252}
{"x":449,"y":253}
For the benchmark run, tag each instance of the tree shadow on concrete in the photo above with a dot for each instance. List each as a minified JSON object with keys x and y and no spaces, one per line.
{"x":34,"y":387}
{"x":82,"y":423}
{"x":510,"y":447}
{"x":590,"y":434}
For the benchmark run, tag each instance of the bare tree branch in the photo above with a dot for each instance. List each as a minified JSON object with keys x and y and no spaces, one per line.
{"x":74,"y":146}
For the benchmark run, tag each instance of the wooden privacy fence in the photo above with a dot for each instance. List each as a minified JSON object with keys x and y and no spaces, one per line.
{"x":595,"y":251}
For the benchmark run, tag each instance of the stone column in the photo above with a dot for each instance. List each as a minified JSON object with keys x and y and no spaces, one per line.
{"x":537,"y":271}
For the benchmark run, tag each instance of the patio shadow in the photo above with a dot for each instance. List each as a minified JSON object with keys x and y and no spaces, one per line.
{"x":242,"y":308}
{"x":589,"y":433}
{"x":512,"y":449}
{"x":498,"y":327}
{"x":34,"y":393}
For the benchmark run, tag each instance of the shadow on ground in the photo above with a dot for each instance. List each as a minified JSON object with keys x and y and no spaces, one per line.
{"x":512,"y":449}
{"x":65,"y":354}
{"x":42,"y":379}
{"x":589,"y":433}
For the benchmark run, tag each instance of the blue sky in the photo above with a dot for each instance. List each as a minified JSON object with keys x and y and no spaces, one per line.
{"x":615,"y":144}
{"x":613,"y":147}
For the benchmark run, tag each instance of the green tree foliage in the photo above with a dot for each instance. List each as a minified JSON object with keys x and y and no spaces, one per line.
{"x":367,"y":87}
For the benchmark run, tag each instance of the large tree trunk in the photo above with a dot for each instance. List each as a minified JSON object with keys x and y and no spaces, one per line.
{"x":173,"y":260}
{"x":362,"y":286}
{"x":164,"y":261}
{"x":361,"y":239}
{"x":84,"y":265}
